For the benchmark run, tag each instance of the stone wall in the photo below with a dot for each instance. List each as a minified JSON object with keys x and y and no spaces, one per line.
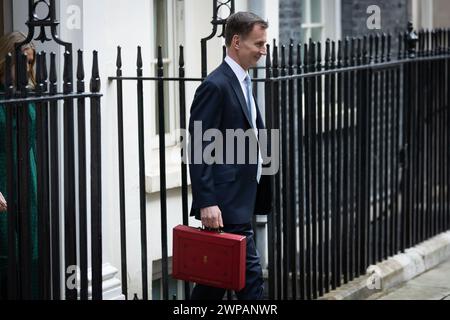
{"x":394,"y":18}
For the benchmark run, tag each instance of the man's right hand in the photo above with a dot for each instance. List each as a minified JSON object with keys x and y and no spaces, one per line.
{"x":211,"y":217}
{"x":3,"y":204}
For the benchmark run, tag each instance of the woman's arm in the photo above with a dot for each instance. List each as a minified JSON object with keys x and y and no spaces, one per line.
{"x":3,"y":204}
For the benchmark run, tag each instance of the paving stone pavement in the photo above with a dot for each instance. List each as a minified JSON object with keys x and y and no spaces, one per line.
{"x":431,"y":285}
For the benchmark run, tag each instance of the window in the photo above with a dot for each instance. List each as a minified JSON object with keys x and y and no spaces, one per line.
{"x":168,"y":17}
{"x":312,"y":15}
{"x":321,"y":20}
{"x":162,"y":38}
{"x":167,"y":32}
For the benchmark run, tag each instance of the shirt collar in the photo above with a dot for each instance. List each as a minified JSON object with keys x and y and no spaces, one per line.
{"x":237,"y":69}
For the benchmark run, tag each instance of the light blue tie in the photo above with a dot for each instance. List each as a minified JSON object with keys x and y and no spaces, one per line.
{"x":248,"y":85}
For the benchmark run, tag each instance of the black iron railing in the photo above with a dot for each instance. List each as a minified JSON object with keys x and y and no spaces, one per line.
{"x":364,"y":161}
{"x":364,"y":155}
{"x":45,"y":99}
{"x":41,"y":273}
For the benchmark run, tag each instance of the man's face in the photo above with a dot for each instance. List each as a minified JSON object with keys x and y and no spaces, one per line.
{"x":252,"y":47}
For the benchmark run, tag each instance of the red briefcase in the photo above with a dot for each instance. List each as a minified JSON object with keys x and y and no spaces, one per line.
{"x":209,"y":258}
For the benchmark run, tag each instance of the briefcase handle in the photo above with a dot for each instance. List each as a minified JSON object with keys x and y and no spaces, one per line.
{"x":203,"y":228}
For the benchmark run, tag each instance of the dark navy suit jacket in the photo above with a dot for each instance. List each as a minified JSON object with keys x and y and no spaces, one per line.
{"x":219,"y":103}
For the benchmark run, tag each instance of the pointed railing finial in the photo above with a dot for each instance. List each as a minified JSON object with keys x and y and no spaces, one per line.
{"x":181,"y":59}
{"x":44,"y":71}
{"x":411,"y":40}
{"x":139,"y":63}
{"x":23,"y":75}
{"x":39,"y":86}
{"x":327,"y":53}
{"x":268,"y":57}
{"x":95,"y":79}
{"x":119,"y":58}
{"x":68,"y":73}
{"x":9,"y":85}
{"x":80,"y":72}
{"x":53,"y":76}
{"x":299,"y":57}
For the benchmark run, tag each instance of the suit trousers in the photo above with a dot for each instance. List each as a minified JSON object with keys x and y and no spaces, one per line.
{"x":254,"y":283}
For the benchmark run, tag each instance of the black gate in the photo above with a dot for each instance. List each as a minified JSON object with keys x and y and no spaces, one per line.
{"x":38,"y":232}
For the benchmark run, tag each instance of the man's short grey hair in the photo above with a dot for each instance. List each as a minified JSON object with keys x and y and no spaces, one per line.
{"x":241,"y":24}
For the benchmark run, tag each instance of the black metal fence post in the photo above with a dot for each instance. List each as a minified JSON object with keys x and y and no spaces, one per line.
{"x":333,"y":143}
{"x":327,"y":143}
{"x":284,"y":194}
{"x":123,"y":231}
{"x":184,"y":157}
{"x":271,"y":228}
{"x":359,"y":132}
{"x":447,"y":134}
{"x":339,"y":166}
{"x":70,"y":246}
{"x":12,"y":169}
{"x":43,"y":180}
{"x":23,"y":181}
{"x":162,"y":170}
{"x":363,"y":179}
{"x":376,"y":142}
{"x":352,"y":163}
{"x":308,"y":191}
{"x":320,"y":172}
{"x":291,"y":117}
{"x":96,"y":183}
{"x":83,"y":238}
{"x":301,"y":172}
{"x":278,"y":205}
{"x":142,"y":191}
{"x":54,"y":192}
{"x":399,"y":163}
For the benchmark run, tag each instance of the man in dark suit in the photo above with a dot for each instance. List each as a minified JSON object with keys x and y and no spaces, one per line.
{"x":228,"y":192}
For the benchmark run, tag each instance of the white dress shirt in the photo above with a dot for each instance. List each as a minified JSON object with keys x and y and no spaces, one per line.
{"x":241,"y":74}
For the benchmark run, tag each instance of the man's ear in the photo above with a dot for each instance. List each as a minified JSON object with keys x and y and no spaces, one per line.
{"x":236,"y":43}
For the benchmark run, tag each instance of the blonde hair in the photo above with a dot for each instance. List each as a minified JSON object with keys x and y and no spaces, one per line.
{"x":7,"y":45}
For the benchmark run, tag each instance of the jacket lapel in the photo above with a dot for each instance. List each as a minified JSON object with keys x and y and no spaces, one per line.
{"x":237,"y":90}
{"x":259,"y":120}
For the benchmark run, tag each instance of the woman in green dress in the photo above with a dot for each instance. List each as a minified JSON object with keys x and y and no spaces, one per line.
{"x":7,"y":46}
